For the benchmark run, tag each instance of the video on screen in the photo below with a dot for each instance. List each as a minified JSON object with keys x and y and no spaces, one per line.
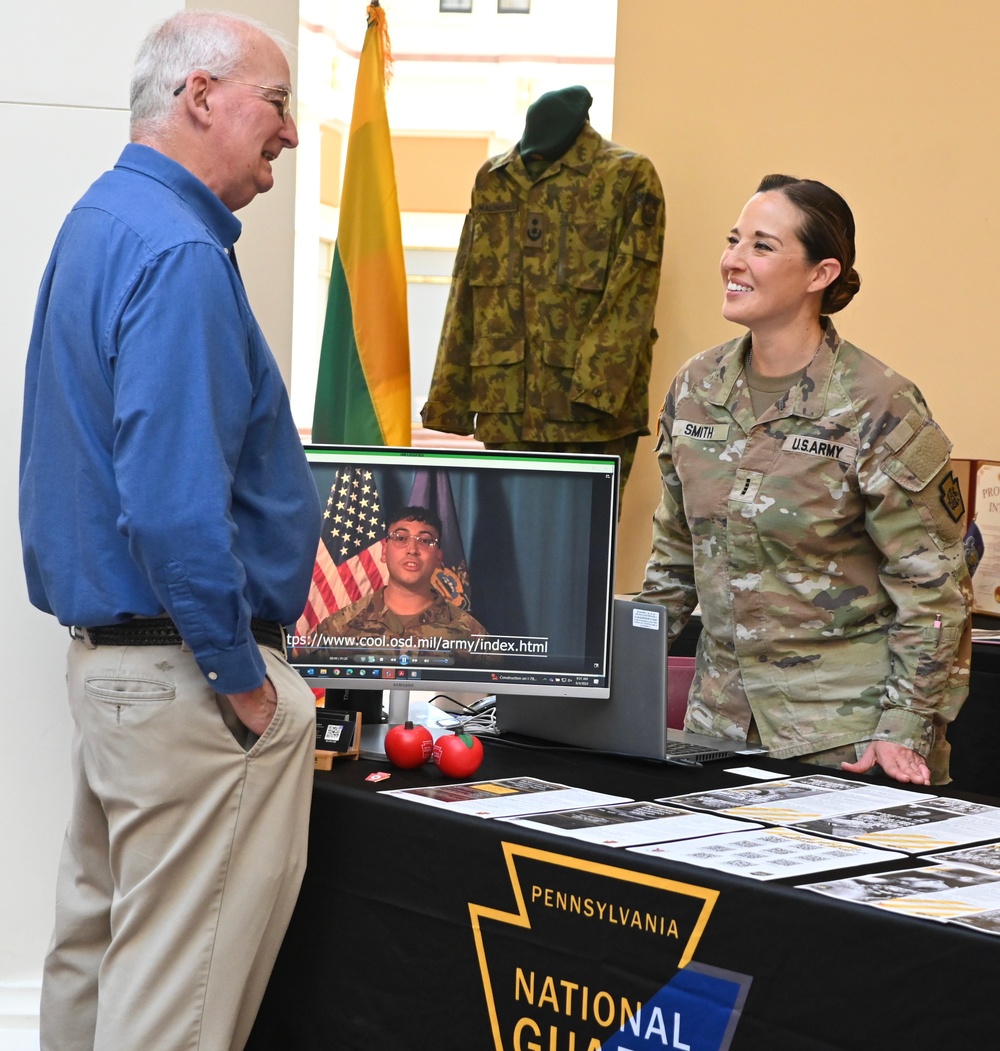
{"x":515,"y":553}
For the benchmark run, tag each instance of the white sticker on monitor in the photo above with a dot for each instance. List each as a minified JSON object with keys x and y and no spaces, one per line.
{"x":646,"y":618}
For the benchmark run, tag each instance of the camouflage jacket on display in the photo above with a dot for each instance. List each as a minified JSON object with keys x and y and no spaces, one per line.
{"x":548,"y":333}
{"x":823,"y":542}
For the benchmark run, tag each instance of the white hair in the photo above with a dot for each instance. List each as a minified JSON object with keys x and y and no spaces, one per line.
{"x":215,"y":41}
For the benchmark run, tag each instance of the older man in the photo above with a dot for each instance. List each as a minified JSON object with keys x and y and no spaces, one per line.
{"x":168,"y":516}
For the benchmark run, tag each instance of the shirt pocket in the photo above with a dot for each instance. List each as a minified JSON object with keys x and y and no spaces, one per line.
{"x":492,"y":256}
{"x":584,"y":254}
{"x":494,"y":276}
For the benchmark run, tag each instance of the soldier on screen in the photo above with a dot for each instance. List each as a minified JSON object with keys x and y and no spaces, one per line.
{"x":408,"y":607}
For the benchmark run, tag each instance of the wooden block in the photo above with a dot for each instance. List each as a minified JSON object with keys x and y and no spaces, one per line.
{"x":324,"y":760}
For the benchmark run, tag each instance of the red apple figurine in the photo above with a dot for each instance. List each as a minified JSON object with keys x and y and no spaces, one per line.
{"x":408,"y":746}
{"x":458,"y":755}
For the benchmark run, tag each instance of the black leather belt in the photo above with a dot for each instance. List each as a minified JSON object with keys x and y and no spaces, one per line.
{"x":161,"y":631}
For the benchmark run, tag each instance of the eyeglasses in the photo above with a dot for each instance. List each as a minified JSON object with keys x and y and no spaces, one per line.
{"x":403,"y":539}
{"x":283,"y":104}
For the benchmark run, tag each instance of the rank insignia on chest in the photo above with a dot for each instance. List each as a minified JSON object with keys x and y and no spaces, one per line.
{"x":746,"y":486}
{"x":536,"y":227}
{"x":951,"y":497}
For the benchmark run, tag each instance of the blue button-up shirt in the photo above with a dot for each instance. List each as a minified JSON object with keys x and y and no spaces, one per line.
{"x":161,"y":470}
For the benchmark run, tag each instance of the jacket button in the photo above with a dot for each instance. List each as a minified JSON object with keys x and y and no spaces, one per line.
{"x":762,"y":658}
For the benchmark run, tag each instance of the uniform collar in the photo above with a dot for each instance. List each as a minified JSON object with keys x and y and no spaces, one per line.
{"x":381,"y":610}
{"x":807,"y":398}
{"x":580,"y":157}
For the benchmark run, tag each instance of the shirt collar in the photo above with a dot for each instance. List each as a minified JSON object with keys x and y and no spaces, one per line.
{"x":808,"y":397}
{"x":219,"y":220}
{"x":579,"y":157}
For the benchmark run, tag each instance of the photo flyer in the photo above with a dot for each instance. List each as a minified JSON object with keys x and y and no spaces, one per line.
{"x":506,"y":797}
{"x":958,"y":894}
{"x":629,"y":824}
{"x":935,"y":823}
{"x":794,"y":800}
{"x":769,"y":853}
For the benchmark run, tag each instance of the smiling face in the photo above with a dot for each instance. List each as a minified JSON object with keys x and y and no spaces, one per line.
{"x":768,"y":279}
{"x":249,"y":132}
{"x":411,"y":565}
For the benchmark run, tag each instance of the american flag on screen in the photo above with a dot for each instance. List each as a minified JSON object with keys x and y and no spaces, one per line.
{"x":348,"y":562}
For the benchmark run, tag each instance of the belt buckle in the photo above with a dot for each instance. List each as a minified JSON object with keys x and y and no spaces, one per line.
{"x":78,"y":634}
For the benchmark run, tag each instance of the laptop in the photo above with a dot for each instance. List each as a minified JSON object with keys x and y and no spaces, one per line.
{"x":633,"y":721}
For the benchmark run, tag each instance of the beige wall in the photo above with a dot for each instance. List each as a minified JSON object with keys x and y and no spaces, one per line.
{"x":436,"y":173}
{"x":267,"y":245}
{"x":893,"y":104}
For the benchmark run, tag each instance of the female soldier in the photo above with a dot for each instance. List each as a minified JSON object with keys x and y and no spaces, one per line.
{"x":810,"y":508}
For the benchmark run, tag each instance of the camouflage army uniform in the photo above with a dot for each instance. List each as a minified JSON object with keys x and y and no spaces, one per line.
{"x":370,"y":617}
{"x":548,"y":333}
{"x":824,"y":544}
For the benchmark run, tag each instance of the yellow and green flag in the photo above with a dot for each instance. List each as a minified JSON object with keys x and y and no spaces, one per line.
{"x":363,"y":387}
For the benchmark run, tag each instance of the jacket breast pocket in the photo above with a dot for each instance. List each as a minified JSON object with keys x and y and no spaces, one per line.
{"x":584,"y":254}
{"x":492,"y":257}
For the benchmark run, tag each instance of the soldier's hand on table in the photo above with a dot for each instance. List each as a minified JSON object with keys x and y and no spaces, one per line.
{"x":897,"y":762}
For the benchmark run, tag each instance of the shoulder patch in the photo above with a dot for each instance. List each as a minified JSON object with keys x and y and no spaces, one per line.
{"x":650,"y":209}
{"x":951,"y":497}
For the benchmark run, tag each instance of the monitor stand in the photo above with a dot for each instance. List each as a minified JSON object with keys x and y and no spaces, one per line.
{"x":403,"y":706}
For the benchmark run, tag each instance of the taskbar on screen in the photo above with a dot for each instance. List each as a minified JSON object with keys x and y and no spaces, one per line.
{"x":395,"y":674}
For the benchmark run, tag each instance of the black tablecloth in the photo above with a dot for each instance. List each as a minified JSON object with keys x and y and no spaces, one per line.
{"x":409,"y":934}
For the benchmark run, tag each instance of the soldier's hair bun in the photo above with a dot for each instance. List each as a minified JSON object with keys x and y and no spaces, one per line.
{"x":827,"y":232}
{"x":840,"y":292}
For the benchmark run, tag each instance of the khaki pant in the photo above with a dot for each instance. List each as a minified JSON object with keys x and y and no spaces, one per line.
{"x":183,"y":855}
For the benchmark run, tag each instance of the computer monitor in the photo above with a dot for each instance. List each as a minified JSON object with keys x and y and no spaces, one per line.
{"x":524,"y":565}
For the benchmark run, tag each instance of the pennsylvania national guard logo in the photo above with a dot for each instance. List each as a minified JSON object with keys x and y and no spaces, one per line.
{"x":576,"y":983}
{"x":951,"y":497}
{"x":451,"y":582}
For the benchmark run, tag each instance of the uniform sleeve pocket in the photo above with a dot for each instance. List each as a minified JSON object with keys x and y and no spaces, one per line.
{"x":921,"y":459}
{"x":923,"y":468}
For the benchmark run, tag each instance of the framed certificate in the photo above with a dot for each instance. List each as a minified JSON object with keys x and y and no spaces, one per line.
{"x":985,"y":512}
